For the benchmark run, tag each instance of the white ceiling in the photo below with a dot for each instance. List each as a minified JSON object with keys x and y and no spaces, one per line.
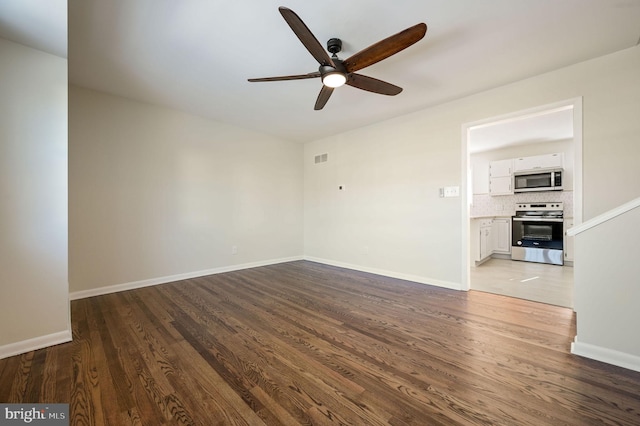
{"x":41,"y":24}
{"x":196,"y":55}
{"x":545,"y":126}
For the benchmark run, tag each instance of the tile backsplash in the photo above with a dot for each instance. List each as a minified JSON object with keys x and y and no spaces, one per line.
{"x":504,"y":205}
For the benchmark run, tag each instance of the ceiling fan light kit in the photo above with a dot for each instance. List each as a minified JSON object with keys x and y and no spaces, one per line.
{"x":332,"y":77}
{"x":334,"y":72}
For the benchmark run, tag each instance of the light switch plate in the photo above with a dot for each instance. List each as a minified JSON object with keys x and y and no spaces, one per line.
{"x":450,"y":191}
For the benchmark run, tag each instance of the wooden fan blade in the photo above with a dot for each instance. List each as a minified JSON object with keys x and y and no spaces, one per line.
{"x":306,"y":36}
{"x":385,"y":48}
{"x":372,"y":85}
{"x":286,"y":77}
{"x":323,"y":97}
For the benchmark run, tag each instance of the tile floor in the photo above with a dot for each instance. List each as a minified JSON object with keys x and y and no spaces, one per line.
{"x":539,"y":282}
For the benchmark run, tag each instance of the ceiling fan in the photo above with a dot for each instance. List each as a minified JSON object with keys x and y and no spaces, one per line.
{"x":335,"y":72}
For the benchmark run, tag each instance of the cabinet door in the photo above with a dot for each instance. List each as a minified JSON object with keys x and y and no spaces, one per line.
{"x":568,"y":241}
{"x":501,"y":232}
{"x":501,"y":168}
{"x":485,"y":242}
{"x":501,"y":185}
{"x":552,"y":161}
{"x":546,"y":161}
{"x":524,"y":163}
{"x":500,"y":177}
{"x":474,"y":241}
{"x":480,"y":181}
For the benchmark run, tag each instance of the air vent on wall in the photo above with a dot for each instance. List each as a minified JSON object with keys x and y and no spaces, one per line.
{"x":322,"y":158}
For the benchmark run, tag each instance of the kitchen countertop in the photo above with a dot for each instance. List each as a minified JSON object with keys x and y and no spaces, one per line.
{"x":491,"y":216}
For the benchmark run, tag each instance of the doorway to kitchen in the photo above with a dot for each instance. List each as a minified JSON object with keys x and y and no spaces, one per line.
{"x":493,"y":150}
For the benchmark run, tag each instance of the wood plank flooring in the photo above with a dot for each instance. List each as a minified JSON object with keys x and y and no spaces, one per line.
{"x":304,"y":343}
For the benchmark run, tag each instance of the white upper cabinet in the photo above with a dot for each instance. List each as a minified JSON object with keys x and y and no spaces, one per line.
{"x":546,"y":161}
{"x":500,"y":177}
{"x":501,"y":168}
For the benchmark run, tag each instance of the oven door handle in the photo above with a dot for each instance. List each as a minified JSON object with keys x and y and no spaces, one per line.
{"x":540,"y":219}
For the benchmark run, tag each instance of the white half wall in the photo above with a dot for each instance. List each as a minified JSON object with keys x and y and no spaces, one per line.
{"x":608,"y":303}
{"x":34,"y":305}
{"x":158,"y":193}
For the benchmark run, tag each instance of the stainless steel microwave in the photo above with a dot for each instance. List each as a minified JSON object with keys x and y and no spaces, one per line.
{"x":548,"y":180}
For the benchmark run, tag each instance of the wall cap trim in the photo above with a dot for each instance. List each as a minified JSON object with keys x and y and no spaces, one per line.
{"x":604,"y":217}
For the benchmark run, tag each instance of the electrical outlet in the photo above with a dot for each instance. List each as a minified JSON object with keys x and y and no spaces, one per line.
{"x":234,"y":249}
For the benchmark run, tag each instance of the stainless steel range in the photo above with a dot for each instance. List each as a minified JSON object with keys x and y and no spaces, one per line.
{"x":537,"y":233}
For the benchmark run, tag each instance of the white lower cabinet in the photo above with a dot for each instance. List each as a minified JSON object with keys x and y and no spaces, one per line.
{"x":489,"y":236}
{"x":485,"y":242}
{"x":501,"y":232}
{"x":480,"y":240}
{"x":568,"y":241}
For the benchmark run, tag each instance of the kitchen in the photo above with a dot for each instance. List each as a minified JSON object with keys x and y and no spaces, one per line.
{"x":518,"y":218}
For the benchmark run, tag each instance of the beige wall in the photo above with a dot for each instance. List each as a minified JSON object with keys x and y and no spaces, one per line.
{"x":390,"y":219}
{"x":34,"y":308}
{"x":157,"y":193}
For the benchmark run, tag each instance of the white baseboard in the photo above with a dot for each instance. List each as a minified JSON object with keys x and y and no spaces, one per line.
{"x":35,"y":343}
{"x":392,"y":274}
{"x":171,"y":278}
{"x":610,"y":356}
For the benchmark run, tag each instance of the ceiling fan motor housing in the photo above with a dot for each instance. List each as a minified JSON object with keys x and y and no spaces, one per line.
{"x":334,"y":45}
{"x":324,"y":69}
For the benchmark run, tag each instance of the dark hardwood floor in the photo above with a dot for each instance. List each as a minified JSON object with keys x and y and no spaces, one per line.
{"x":304,"y":343}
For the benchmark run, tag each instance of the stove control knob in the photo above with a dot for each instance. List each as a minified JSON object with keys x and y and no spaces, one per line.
{"x":519,"y":243}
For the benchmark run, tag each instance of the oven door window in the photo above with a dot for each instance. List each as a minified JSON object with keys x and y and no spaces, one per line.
{"x":537,"y":234}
